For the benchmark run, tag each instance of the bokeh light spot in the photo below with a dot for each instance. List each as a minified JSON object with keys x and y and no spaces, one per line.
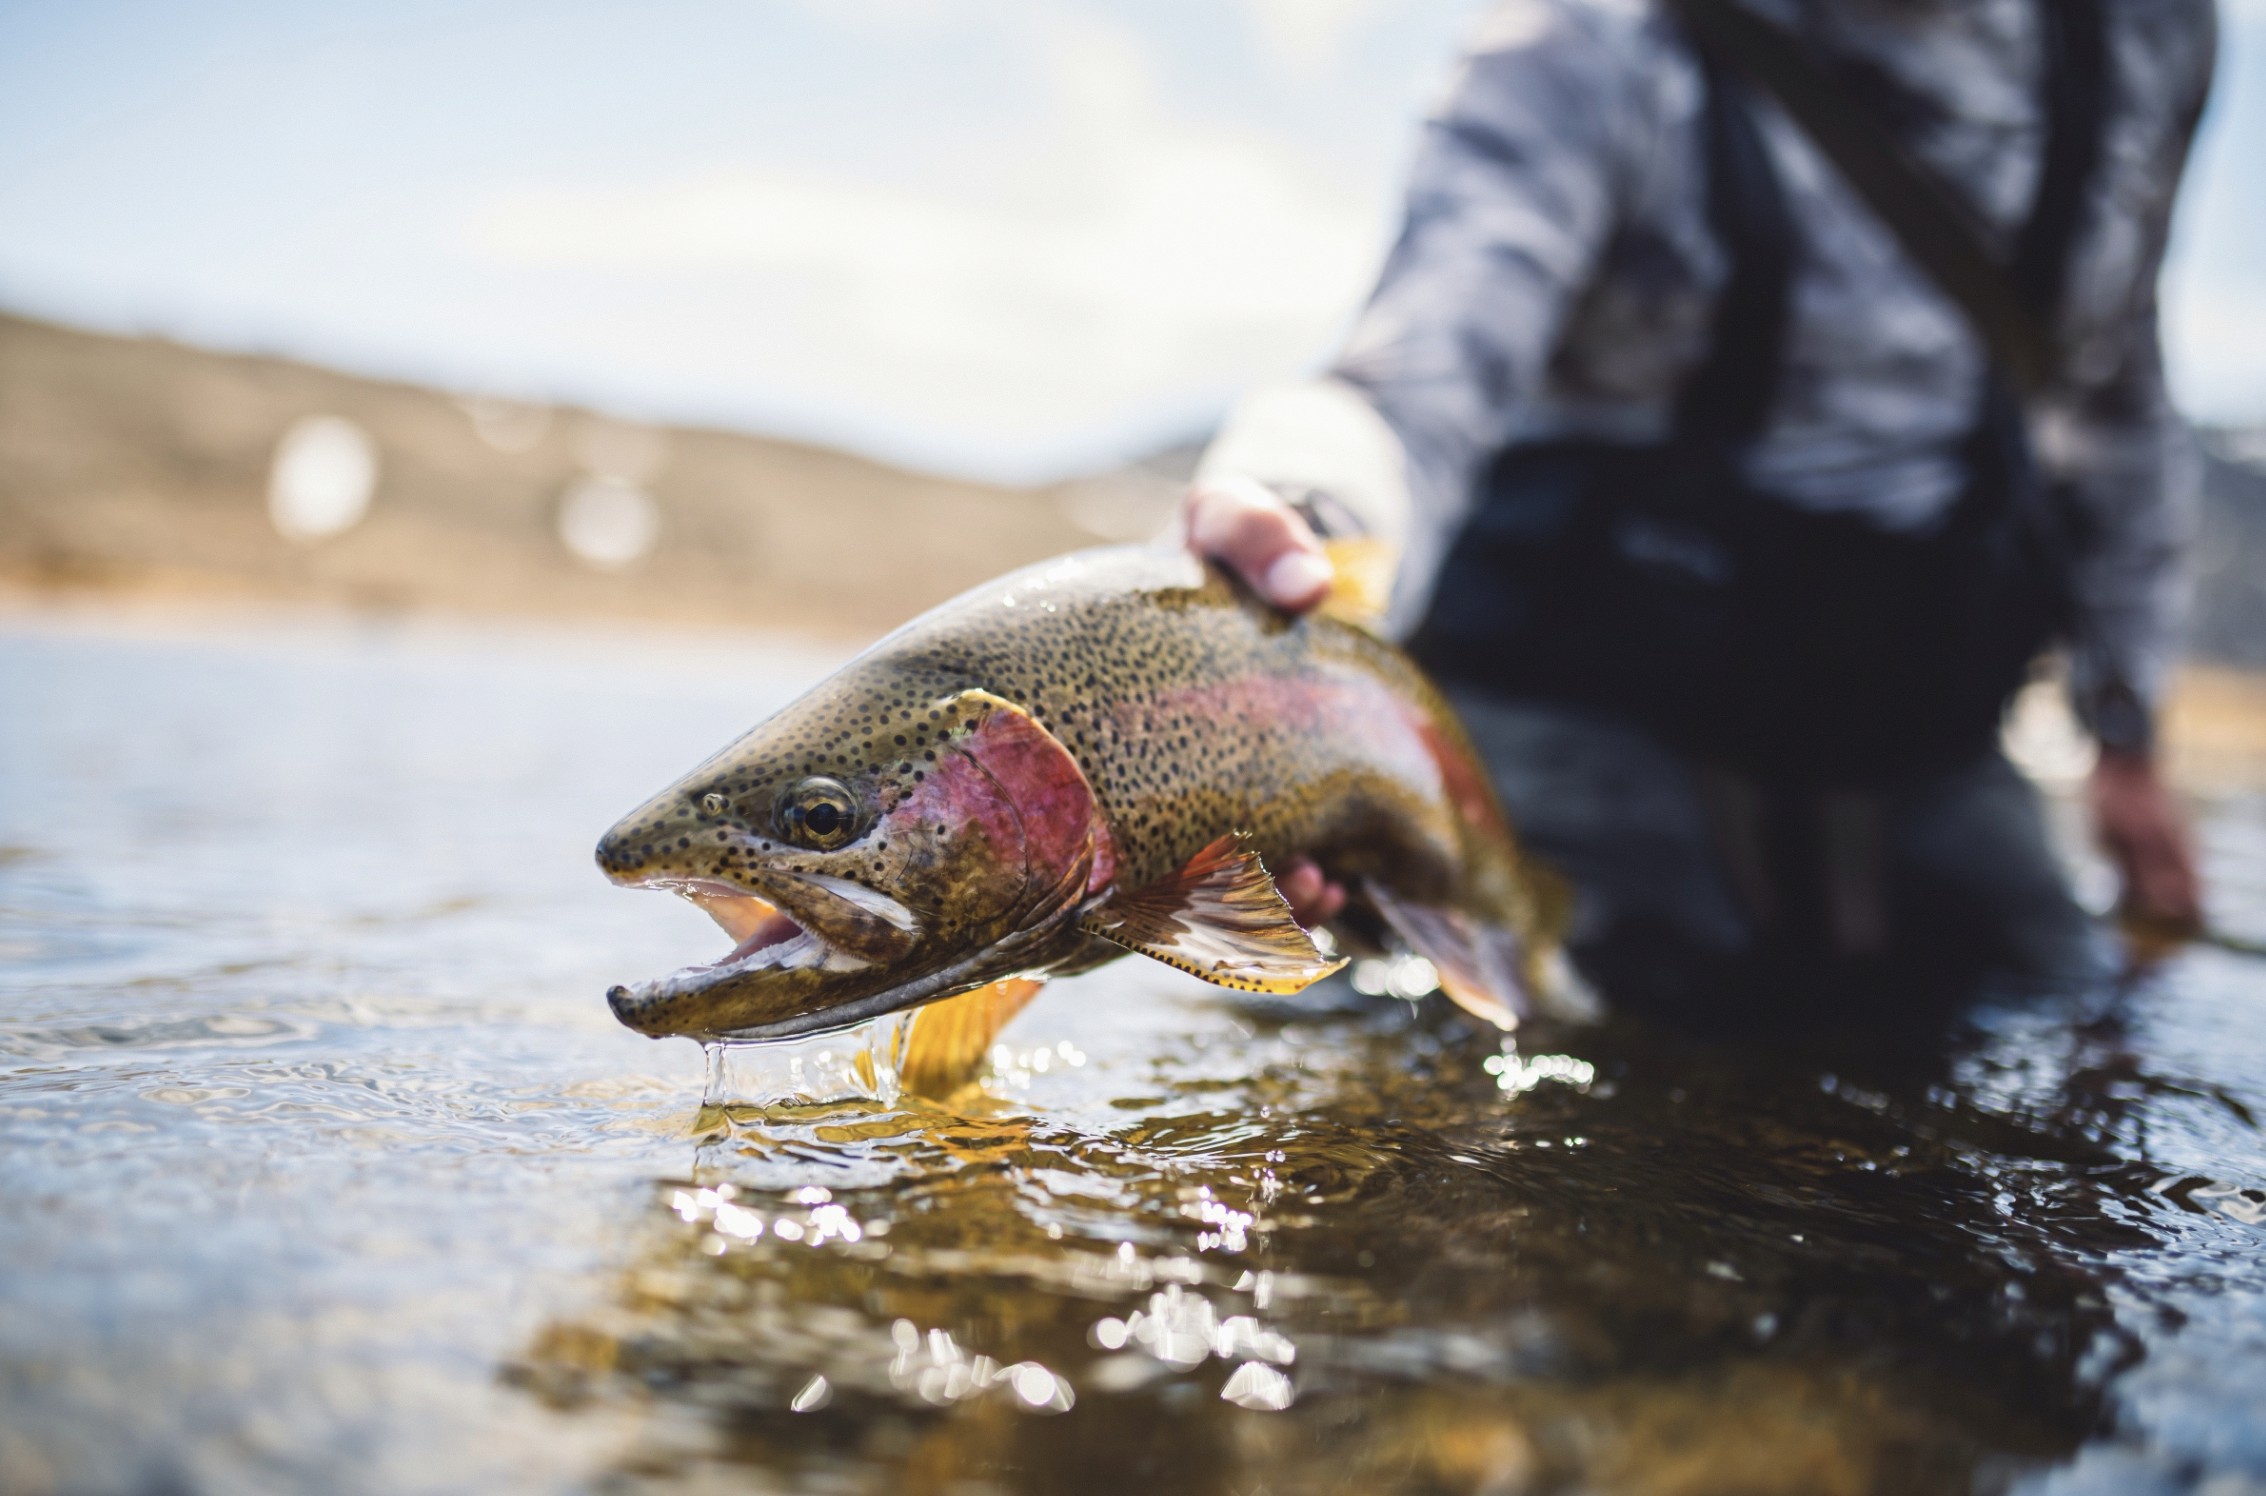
{"x":608,"y":523}
{"x":325,"y":470}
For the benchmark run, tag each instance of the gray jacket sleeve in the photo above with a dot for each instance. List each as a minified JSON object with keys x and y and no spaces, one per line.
{"x":2111,"y":434}
{"x":1510,"y":201}
{"x":2131,"y":474}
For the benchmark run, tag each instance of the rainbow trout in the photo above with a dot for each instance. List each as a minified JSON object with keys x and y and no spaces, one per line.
{"x":1098,"y":755}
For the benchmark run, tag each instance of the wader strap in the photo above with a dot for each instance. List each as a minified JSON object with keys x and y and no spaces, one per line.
{"x":1724,"y":402}
{"x":2076,"y":87}
{"x":2010,"y":307}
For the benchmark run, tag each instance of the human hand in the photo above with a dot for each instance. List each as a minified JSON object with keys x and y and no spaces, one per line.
{"x":1313,"y":898}
{"x":2139,"y":828}
{"x":1247,"y":527}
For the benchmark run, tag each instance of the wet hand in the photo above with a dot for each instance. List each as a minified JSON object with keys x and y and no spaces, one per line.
{"x":1247,"y":527}
{"x":2140,"y":830}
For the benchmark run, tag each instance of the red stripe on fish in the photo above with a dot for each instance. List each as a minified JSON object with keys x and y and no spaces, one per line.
{"x":1357,"y":711}
{"x":1465,"y":781}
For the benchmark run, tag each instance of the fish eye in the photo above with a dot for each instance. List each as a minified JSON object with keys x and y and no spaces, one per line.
{"x":818,"y":813}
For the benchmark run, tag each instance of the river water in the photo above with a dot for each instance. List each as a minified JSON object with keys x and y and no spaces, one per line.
{"x":325,"y":1168}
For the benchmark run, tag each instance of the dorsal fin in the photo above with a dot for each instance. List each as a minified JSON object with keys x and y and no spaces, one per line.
{"x":950,"y":1039}
{"x":1218,"y":917}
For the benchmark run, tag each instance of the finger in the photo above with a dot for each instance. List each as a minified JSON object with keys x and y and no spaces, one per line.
{"x":1313,"y":898}
{"x":1265,"y":542}
{"x":1302,"y":886}
{"x":1247,"y":526}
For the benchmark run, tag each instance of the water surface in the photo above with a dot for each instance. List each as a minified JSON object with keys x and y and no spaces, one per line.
{"x":327,"y":1170}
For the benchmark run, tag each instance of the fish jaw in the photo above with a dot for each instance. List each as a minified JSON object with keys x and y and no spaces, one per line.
{"x":784,"y":979}
{"x":777,"y":970}
{"x":799,"y":937}
{"x":743,"y":1001}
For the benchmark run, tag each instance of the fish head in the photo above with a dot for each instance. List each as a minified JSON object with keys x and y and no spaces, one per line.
{"x":870,"y":849}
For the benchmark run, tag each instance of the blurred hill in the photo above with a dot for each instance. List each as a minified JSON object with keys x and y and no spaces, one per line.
{"x":130,"y":463}
{"x":135,"y":463}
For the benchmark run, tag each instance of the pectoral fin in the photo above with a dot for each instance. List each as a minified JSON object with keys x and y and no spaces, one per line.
{"x":1220,"y":918}
{"x":1481,"y":966}
{"x":949,"y":1039}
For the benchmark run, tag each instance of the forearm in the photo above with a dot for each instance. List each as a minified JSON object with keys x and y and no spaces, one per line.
{"x":2132,"y":486}
{"x":2126,"y":458}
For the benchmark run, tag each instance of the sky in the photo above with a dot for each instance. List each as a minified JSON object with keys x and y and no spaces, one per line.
{"x":1012,"y":239}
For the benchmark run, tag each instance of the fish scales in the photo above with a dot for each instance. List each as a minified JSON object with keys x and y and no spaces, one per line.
{"x":1008,"y":774}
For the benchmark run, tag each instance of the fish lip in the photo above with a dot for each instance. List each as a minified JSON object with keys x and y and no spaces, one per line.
{"x":626,"y":1000}
{"x":855,"y":1012}
{"x":825,"y":1020}
{"x":671,"y":883}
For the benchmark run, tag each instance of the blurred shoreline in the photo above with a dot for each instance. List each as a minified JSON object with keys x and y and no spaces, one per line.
{"x":138,"y":491}
{"x":137,"y":468}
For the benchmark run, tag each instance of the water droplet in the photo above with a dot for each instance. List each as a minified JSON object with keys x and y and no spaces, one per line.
{"x":712,"y":1088}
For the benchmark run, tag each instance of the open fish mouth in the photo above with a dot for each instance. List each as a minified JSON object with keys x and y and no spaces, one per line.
{"x":768,"y":937}
{"x":786,"y":978}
